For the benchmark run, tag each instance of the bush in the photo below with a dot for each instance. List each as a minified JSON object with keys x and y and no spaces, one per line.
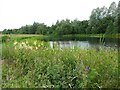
{"x":5,"y":39}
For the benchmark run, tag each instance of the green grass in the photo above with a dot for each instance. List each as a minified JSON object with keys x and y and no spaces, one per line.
{"x":96,"y":35}
{"x":29,"y":63}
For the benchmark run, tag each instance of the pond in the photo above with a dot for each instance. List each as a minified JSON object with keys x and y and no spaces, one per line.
{"x":86,"y":43}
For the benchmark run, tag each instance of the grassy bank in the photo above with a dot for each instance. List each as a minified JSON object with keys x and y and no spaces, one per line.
{"x":96,"y":35}
{"x":29,"y":63}
{"x":57,"y":36}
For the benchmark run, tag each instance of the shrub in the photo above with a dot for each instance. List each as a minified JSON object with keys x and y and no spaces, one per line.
{"x":5,"y":39}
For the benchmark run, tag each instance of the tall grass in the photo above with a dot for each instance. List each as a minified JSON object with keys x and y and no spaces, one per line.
{"x":43,"y":67}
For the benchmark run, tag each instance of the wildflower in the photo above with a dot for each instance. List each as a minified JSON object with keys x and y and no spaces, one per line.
{"x":30,"y":47}
{"x":25,"y":46}
{"x":15,"y":43}
{"x":87,"y":68}
{"x":36,"y":48}
{"x":38,"y":45}
{"x":15,"y":48}
{"x":26,"y":42}
{"x":22,"y":43}
{"x":20,"y":46}
{"x":42,"y":43}
{"x":35,"y":42}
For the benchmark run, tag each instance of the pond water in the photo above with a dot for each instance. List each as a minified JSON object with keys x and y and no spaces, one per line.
{"x":86,"y":43}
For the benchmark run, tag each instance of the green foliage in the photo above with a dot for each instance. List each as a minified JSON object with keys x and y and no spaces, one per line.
{"x":5,"y":38}
{"x":110,"y":28}
{"x":29,"y":63}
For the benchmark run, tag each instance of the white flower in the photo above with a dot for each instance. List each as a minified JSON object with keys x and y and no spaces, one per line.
{"x":30,"y":47}
{"x":15,"y":43}
{"x":26,"y":42}
{"x":36,"y":48}
{"x":23,"y":43}
{"x":35,"y":42}
{"x":15,"y":48}
{"x":20,"y":46}
{"x":25,"y":46}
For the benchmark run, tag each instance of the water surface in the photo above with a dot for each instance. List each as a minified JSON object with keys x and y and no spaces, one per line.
{"x":87,"y":43}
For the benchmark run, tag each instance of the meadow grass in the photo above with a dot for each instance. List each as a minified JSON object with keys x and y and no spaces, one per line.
{"x":29,"y":63}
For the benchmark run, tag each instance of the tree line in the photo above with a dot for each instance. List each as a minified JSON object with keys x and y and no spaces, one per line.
{"x":102,"y":20}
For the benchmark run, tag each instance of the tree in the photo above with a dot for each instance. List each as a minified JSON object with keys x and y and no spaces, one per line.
{"x":34,"y":28}
{"x":102,"y":20}
{"x":41,"y":29}
{"x":110,"y":28}
{"x":118,"y":17}
{"x":112,"y":11}
{"x":75,"y":27}
{"x":103,"y":13}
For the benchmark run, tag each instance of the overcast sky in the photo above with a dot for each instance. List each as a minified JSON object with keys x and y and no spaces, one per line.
{"x":17,"y":13}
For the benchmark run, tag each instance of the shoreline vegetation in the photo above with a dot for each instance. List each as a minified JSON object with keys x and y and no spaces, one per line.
{"x":28,"y":61}
{"x":31,"y":63}
{"x":53,"y":37}
{"x":76,"y":35}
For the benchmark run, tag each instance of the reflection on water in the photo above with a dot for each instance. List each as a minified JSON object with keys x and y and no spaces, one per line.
{"x":85,"y":43}
{"x":70,"y":44}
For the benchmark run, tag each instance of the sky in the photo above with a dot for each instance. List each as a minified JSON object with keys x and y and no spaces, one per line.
{"x":17,"y":13}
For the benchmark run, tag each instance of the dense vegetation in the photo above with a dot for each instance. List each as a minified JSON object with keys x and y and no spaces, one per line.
{"x":29,"y":63}
{"x":102,"y":20}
